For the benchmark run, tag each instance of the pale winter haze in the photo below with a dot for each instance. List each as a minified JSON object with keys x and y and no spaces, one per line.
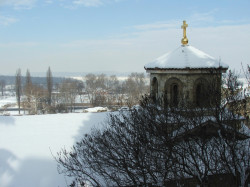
{"x":117,"y":35}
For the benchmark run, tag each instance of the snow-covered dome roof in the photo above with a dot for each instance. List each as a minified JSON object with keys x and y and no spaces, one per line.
{"x":184,"y":57}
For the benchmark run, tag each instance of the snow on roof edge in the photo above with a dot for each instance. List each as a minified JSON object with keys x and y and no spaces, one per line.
{"x":185,"y":57}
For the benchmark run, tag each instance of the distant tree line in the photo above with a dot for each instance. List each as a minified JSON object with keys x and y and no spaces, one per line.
{"x":107,"y":91}
{"x":10,"y":80}
{"x":66,"y":94}
{"x":34,"y":98}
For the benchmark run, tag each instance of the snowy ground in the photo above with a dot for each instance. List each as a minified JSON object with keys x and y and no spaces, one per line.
{"x":27,"y":144}
{"x":7,"y":100}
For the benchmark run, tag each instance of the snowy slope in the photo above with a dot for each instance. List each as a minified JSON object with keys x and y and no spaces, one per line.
{"x":28,"y":142}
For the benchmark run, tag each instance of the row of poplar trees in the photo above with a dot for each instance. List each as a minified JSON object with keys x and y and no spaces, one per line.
{"x":33,"y":93}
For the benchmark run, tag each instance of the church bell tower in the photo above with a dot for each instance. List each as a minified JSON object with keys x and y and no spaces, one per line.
{"x":184,"y":73}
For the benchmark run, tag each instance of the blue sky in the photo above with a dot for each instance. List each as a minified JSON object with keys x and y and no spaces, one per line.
{"x":117,"y":35}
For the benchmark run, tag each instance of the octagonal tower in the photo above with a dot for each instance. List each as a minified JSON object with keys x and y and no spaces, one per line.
{"x":184,"y":73}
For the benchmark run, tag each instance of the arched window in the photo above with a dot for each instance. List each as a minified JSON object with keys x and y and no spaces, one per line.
{"x":165,"y":97}
{"x":173,"y":91}
{"x":199,"y":94}
{"x":174,"y":94}
{"x":201,"y":97}
{"x":154,"y":91}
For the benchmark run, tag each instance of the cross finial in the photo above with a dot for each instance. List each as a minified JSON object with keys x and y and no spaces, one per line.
{"x":184,"y":40}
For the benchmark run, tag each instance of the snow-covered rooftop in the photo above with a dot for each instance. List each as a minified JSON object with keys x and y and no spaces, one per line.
{"x":184,"y":57}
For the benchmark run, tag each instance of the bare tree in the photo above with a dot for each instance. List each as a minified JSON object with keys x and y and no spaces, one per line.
{"x":49,"y":85}
{"x":235,"y":152}
{"x":246,"y":73}
{"x":28,"y":78}
{"x":112,"y":90}
{"x":68,"y":92}
{"x":36,"y":97}
{"x":234,"y":155}
{"x":134,"y":157}
{"x":28,"y":90}
{"x":18,"y":87}
{"x":246,"y":91}
{"x":2,"y":86}
{"x":166,"y":146}
{"x":38,"y":100}
{"x":121,"y":93}
{"x":80,"y":88}
{"x":91,"y":87}
{"x":101,"y":81}
{"x":96,"y":88}
{"x":112,"y":83}
{"x":135,"y":87}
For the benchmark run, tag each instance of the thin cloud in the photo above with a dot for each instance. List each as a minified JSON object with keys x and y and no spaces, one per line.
{"x":18,"y":44}
{"x":158,"y":25}
{"x":49,"y":1}
{"x":206,"y":18}
{"x":5,"y":20}
{"x":146,"y":45}
{"x":100,"y":44}
{"x":18,"y":4}
{"x":197,"y":19}
{"x":88,"y":3}
{"x":203,"y":17}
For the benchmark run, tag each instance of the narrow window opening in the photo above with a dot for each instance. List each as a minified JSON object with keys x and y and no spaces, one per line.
{"x":175,"y":100}
{"x":198,"y":95}
{"x":201,"y":99}
{"x":175,"y":94}
{"x":154,"y":89}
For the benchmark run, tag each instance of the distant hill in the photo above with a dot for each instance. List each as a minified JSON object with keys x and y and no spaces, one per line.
{"x":58,"y":77}
{"x":81,"y":74}
{"x":10,"y":80}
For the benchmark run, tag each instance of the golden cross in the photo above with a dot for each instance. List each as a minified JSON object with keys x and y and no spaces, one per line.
{"x":184,"y":40}
{"x":184,"y":26}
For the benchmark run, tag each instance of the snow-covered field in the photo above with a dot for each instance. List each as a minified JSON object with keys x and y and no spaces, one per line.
{"x":7,"y":101}
{"x":28,"y":143}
